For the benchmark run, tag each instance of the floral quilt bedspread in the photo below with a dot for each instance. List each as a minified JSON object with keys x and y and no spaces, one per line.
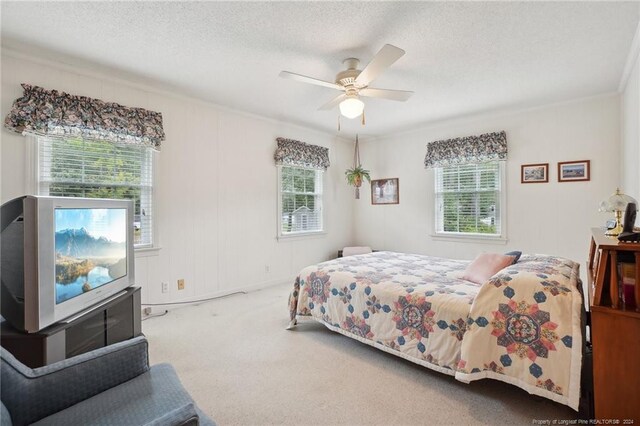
{"x":522,"y":326}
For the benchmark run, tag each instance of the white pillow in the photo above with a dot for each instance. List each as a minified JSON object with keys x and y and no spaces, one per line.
{"x":350,"y":251}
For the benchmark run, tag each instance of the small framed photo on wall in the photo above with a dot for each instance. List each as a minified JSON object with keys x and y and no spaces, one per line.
{"x":534,"y":173}
{"x":572,"y":171}
{"x":385,"y":191}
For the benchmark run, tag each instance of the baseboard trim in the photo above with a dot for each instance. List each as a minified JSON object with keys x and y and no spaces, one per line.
{"x":208,"y":297}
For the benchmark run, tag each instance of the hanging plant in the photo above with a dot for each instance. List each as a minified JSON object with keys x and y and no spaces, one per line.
{"x":357,"y":173}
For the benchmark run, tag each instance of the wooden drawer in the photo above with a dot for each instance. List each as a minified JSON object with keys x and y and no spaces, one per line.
{"x":616,"y":363}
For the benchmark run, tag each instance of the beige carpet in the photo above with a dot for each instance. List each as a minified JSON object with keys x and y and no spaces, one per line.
{"x":243,"y":368}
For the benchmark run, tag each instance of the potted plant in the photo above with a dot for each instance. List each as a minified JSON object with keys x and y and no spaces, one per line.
{"x":355,"y":176}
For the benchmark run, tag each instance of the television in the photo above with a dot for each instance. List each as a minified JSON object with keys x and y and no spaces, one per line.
{"x":62,"y":256}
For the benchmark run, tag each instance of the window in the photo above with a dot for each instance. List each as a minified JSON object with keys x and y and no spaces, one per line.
{"x":469,"y":199}
{"x":75,"y":167}
{"x":300,"y":203}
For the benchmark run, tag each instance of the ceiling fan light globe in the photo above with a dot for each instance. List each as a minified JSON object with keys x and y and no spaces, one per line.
{"x":351,"y":107}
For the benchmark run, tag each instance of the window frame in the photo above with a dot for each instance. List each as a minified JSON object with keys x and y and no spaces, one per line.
{"x":34,"y":183}
{"x":500,"y":238}
{"x":280,"y":192}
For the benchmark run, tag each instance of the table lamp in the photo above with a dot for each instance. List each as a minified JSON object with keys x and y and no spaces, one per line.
{"x":616,"y":203}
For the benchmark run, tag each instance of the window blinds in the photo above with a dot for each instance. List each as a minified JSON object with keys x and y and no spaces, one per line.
{"x":301,"y":200}
{"x":468,"y":198}
{"x":99,"y":169}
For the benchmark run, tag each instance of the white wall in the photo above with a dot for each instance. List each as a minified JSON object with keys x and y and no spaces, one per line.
{"x":216,"y":183}
{"x":552,"y":218}
{"x":630,"y":152}
{"x":216,"y":189}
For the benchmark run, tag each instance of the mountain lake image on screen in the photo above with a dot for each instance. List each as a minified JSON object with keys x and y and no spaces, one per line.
{"x":91,"y":249}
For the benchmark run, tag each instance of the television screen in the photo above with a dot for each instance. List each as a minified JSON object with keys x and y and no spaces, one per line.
{"x":90,"y":249}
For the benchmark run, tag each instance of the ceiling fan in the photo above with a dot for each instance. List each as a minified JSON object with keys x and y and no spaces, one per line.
{"x":355,"y":83}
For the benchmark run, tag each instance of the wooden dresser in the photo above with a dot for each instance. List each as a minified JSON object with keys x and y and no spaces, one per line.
{"x":615,"y":331}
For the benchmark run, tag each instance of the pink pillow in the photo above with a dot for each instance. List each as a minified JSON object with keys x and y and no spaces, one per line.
{"x":485,"y":266}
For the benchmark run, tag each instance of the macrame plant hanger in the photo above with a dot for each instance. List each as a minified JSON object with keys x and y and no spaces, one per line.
{"x":356,"y":164}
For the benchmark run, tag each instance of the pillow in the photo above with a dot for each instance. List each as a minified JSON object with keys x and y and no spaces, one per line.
{"x":516,"y":256}
{"x":350,"y":251}
{"x":485,"y":265}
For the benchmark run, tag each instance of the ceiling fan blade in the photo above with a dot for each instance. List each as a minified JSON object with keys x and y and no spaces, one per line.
{"x":305,"y":79}
{"x":383,"y":60}
{"x":333,"y":102}
{"x":393,"y":95}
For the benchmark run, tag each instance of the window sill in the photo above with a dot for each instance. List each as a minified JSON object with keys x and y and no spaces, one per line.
{"x":302,"y":235}
{"x":471,"y":238}
{"x":147,"y":251}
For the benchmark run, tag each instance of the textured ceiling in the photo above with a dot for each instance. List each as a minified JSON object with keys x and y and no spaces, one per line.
{"x":461,"y":58}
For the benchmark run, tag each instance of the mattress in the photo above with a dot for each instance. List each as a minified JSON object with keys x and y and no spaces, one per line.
{"x":523,"y":326}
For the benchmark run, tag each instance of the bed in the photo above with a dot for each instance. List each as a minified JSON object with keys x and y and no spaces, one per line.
{"x":523,"y":326}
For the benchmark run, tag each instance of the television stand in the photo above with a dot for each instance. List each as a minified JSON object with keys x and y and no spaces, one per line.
{"x":112,"y":321}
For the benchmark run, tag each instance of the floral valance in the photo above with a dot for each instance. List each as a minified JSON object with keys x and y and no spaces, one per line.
{"x":295,"y":153}
{"x":470,"y":149}
{"x":52,"y":113}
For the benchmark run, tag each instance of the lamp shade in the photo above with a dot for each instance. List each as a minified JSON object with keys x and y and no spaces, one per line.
{"x":616,"y":202}
{"x":351,"y":107}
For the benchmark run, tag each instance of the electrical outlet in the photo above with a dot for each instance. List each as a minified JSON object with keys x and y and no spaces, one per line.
{"x":181,"y":284}
{"x":147,"y":311}
{"x":165,"y":287}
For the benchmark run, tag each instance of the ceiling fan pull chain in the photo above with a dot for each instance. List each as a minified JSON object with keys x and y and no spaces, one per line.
{"x":363,"y":121}
{"x":338,"y":122}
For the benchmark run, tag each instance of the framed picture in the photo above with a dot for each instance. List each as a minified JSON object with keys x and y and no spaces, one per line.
{"x":385,"y":191}
{"x":534,"y":173}
{"x":572,"y":171}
